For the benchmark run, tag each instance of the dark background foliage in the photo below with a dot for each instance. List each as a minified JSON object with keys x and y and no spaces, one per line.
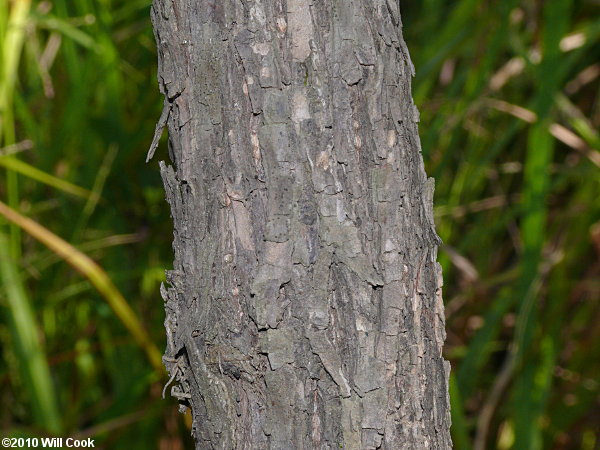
{"x":508,"y":94}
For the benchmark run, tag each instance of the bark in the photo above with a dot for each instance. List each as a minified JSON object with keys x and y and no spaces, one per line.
{"x":304,"y":310}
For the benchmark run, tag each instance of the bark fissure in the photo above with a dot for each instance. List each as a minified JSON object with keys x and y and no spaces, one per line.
{"x":304,"y":308}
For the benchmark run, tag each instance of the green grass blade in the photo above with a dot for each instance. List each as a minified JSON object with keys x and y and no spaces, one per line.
{"x":540,"y":147}
{"x":12,"y":44}
{"x":481,"y":344}
{"x":97,"y":276}
{"x":460,"y":435}
{"x":75,"y":34}
{"x":29,"y":351}
{"x":13,"y":164}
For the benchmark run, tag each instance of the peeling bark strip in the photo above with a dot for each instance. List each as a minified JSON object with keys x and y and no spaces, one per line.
{"x":304,"y":310}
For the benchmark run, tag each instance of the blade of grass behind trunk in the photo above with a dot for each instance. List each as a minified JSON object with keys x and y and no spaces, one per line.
{"x":98,"y":277}
{"x":534,"y":381}
{"x":12,"y":43}
{"x":29,"y":352}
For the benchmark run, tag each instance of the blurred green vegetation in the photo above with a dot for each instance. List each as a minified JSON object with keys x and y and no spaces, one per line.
{"x":510,"y":111}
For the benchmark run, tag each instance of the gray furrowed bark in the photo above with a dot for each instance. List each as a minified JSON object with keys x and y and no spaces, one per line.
{"x":304,"y":310}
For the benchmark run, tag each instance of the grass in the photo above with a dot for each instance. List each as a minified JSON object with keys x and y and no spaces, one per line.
{"x":508,"y":94}
{"x":94,"y":273}
{"x":81,"y":352}
{"x":512,"y":168}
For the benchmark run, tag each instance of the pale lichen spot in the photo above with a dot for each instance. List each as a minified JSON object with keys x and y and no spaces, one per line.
{"x":300,"y":109}
{"x":281,"y":24}
{"x":245,"y":87}
{"x":389,"y":246}
{"x":255,"y":145}
{"x":265,"y":72}
{"x":340,"y":209}
{"x":346,"y":385}
{"x":361,"y":325}
{"x":301,"y":28}
{"x":357,"y":142}
{"x":355,"y":124}
{"x":391,"y":138}
{"x":258,"y":14}
{"x":235,"y":292}
{"x":243,"y":225}
{"x":261,"y":48}
{"x":250,"y":80}
{"x":323,"y":160}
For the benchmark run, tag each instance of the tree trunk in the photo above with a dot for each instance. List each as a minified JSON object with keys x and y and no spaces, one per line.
{"x":304,"y":310}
